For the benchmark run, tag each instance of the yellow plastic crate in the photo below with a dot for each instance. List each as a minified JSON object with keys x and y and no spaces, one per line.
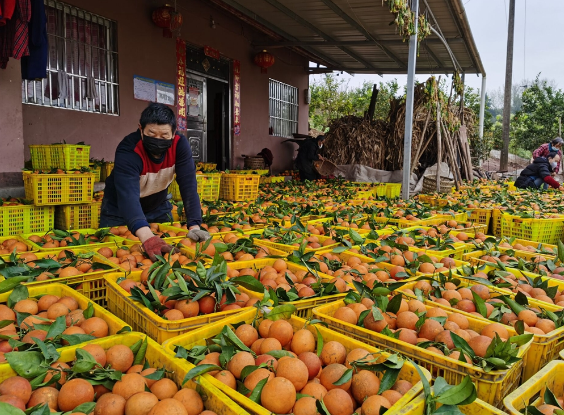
{"x":491,"y":387}
{"x":91,"y":285}
{"x":200,"y":338}
{"x":239,"y":187}
{"x":110,"y":240}
{"x":107,"y":168}
{"x":256,"y":172}
{"x":59,"y":156}
{"x":496,"y":222}
{"x":544,"y":347}
{"x":144,"y":320}
{"x":78,"y":216}
{"x":272,"y":179}
{"x":288,"y":249}
{"x":364,"y":194}
{"x":417,"y":407}
{"x":31,"y":248}
{"x":483,"y":216}
{"x":214,"y":399}
{"x":304,"y":307}
{"x":532,"y":391}
{"x":208,"y":187}
{"x":96,"y":171}
{"x":18,"y":219}
{"x":393,"y":190}
{"x":61,"y":290}
{"x":58,"y":189}
{"x":548,"y":231}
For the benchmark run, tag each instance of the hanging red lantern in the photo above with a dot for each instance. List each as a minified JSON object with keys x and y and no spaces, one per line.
{"x":168,"y":19}
{"x":265,"y":60}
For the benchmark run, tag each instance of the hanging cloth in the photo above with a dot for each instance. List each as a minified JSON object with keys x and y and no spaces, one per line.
{"x":34,"y":66}
{"x":8,"y":8}
{"x":14,"y":36}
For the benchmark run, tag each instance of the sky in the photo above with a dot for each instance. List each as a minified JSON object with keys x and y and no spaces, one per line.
{"x":539,"y":43}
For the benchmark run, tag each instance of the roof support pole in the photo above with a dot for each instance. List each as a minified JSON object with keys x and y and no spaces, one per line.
{"x":482,"y":109}
{"x":504,"y":158}
{"x":409,"y":104}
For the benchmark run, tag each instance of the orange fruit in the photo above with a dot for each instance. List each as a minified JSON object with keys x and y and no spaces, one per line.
{"x":252,"y":380}
{"x":110,"y":404}
{"x":372,"y":405}
{"x":95,"y":326}
{"x":282,"y":331}
{"x":120,"y":357}
{"x":480,"y":345}
{"x":294,"y":370}
{"x":45,"y":395}
{"x":364,"y":384}
{"x":278,"y":395}
{"x":129,"y":385}
{"x":191,"y":400}
{"x":168,"y":407}
{"x":16,"y":386}
{"x":333,"y":352}
{"x":331,"y":374}
{"x":227,"y":378}
{"x":247,"y":334}
{"x":239,"y":362}
{"x":305,"y":406}
{"x":338,"y":402}
{"x":302,"y":341}
{"x":164,"y":389}
{"x":140,"y":403}
{"x":73,"y":393}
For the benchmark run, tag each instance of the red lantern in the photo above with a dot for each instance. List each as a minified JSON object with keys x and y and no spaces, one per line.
{"x":168,"y":19}
{"x":265,"y":60}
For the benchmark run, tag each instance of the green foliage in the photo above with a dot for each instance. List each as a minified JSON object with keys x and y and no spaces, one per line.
{"x":537,"y":121}
{"x":332,"y":98}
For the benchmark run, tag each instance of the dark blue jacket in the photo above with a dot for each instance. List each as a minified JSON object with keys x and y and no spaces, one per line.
{"x":138,"y":184}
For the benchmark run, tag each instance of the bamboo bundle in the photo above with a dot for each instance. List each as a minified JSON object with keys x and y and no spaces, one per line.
{"x":379,"y":144}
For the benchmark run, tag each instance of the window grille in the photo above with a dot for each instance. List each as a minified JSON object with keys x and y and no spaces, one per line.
{"x":83,"y":57}
{"x":283,"y":106}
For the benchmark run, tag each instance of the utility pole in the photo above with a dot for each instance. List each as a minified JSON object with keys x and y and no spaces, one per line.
{"x":508,"y":83}
{"x":412,"y":59}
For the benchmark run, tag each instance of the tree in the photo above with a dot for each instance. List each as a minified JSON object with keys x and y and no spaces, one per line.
{"x":537,"y":121}
{"x":332,"y":98}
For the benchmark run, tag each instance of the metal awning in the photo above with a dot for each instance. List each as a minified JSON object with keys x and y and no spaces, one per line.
{"x":355,"y":36}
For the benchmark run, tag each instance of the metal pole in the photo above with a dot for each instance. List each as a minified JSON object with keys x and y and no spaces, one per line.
{"x":508,"y":81}
{"x":482,"y":110}
{"x":409,"y":104}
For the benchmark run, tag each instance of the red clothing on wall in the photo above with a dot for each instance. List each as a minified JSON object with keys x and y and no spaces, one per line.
{"x":7,"y":8}
{"x":14,"y":36}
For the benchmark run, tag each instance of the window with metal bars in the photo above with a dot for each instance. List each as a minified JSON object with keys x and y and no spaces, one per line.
{"x":81,"y":65}
{"x":283,"y":106}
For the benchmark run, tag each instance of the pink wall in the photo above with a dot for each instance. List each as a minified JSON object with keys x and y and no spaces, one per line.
{"x":11,"y":122}
{"x":142,"y":50}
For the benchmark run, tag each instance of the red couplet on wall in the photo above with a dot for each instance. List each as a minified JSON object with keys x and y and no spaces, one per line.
{"x":236,"y":97}
{"x":181,"y":83}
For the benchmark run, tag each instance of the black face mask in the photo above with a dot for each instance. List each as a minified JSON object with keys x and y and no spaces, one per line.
{"x":156,"y":146}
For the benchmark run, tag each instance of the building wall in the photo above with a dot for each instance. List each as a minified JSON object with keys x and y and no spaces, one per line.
{"x":142,"y":50}
{"x":11,"y":124}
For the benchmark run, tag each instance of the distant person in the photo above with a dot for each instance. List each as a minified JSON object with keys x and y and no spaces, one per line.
{"x":308,"y":153}
{"x":554,"y":146}
{"x":539,"y":174}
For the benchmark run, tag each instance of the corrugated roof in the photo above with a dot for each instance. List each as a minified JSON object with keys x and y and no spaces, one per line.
{"x":356,"y":36}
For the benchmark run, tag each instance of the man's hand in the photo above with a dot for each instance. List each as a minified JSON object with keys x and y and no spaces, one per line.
{"x":198,"y":235}
{"x":156,"y":246}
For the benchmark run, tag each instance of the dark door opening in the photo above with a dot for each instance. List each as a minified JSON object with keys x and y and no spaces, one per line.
{"x":217,"y":123}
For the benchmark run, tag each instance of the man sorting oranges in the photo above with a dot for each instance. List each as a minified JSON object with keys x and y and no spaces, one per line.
{"x":136,"y":192}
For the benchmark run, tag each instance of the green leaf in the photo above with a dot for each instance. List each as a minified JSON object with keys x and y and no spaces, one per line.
{"x":57,"y":328}
{"x":255,"y":395}
{"x":394,"y":305}
{"x":424,"y":380}
{"x":19,"y":293}
{"x":550,"y":399}
{"x":448,"y":410}
{"x":480,"y":304}
{"x":198,"y":371}
{"x":458,"y":393}
{"x":389,"y":379}
{"x":86,"y":408}
{"x":7,"y":409}
{"x":461,"y":344}
{"x":281,"y":312}
{"x":347,"y":376}
{"x":440,"y":385}
{"x":248,"y":282}
{"x":279,"y":354}
{"x":140,"y":355}
{"x":377,"y":314}
{"x":85,"y":362}
{"x":26,"y":364}
{"x":339,"y":249}
{"x":521,"y":339}
{"x":89,"y":312}
{"x":11,"y":283}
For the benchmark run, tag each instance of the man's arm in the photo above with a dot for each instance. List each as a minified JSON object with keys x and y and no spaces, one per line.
{"x":551,"y":182}
{"x":127,"y":170}
{"x":542,"y":151}
{"x":187,"y":183}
